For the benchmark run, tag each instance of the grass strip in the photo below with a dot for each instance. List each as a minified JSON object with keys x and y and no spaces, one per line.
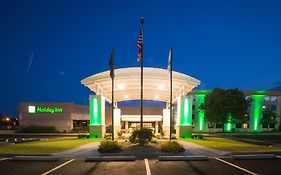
{"x":46,"y":146}
{"x":232,"y":145}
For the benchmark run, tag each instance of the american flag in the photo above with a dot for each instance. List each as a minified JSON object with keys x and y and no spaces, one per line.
{"x":139,"y":45}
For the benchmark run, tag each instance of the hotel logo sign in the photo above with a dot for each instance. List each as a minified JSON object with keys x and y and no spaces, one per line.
{"x":36,"y":109}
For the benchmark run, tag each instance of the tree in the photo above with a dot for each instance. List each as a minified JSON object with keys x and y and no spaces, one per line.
{"x":226,"y":106}
{"x":269,"y":118}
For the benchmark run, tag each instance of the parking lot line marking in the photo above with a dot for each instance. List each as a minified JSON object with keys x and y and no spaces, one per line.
{"x":235,"y":166}
{"x":4,"y":159}
{"x":65,"y":163}
{"x":147,"y":167}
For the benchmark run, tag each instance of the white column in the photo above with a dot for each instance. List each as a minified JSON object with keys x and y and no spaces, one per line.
{"x":178,"y":116}
{"x":117,"y":122}
{"x":103,"y":110}
{"x":156,"y":127}
{"x":126,"y":125}
{"x":166,"y":122}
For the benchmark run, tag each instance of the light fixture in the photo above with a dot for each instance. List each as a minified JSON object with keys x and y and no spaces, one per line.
{"x":121,"y":86}
{"x":156,"y":96}
{"x":126,"y":96}
{"x":160,"y":86}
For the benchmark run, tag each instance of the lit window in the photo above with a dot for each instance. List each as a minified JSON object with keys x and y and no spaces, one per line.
{"x":274,"y":98}
{"x":266,"y":98}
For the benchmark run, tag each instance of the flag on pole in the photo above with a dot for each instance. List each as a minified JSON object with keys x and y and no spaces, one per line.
{"x":111,"y":64}
{"x":169,"y":60}
{"x":139,"y":45}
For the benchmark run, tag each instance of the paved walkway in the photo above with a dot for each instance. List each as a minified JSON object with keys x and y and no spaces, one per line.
{"x":83,"y":151}
{"x":191,"y":149}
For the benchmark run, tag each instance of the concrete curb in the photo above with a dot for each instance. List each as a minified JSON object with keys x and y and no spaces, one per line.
{"x":36,"y":158}
{"x":254,"y":156}
{"x":182,"y":158}
{"x":109,"y":158}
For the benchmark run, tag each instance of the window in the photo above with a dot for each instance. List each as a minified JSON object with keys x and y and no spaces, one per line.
{"x":274,"y":98}
{"x":273,"y":107}
{"x":266,"y":98}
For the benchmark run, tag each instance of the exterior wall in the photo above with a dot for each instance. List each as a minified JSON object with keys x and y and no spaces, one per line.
{"x":132,"y":110}
{"x":62,"y":121}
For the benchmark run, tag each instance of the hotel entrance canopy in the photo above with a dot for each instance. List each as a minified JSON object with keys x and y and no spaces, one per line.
{"x":127,"y":84}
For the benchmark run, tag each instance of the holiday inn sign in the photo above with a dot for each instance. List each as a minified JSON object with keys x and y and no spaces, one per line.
{"x":36,"y":109}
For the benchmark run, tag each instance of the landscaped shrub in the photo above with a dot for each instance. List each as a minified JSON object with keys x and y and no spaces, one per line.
{"x":154,"y":140}
{"x":108,"y":136}
{"x":83,"y":135}
{"x":158,"y":136}
{"x":109,"y":147}
{"x":197,"y":136}
{"x":119,"y":133}
{"x":173,"y":136}
{"x":141,"y":136}
{"x":172,"y":147}
{"x":39,"y":129}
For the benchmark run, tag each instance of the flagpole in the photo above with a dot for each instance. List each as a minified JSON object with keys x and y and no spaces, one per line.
{"x":171,"y":91}
{"x":141,"y":21}
{"x":112,"y":89}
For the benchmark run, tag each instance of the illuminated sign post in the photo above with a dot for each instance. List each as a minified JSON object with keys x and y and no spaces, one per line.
{"x":37,"y":109}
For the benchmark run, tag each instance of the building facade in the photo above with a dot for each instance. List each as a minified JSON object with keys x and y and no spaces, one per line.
{"x":69,"y":117}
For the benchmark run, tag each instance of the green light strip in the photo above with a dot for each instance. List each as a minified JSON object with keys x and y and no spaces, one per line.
{"x":186,"y":112}
{"x":200,"y":114}
{"x":256,"y":112}
{"x":95,"y":111}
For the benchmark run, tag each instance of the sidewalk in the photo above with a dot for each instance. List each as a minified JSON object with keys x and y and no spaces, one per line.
{"x":191,"y":149}
{"x":83,"y":151}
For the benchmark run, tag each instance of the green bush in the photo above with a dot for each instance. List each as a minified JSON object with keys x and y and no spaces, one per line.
{"x":39,"y":129}
{"x":154,"y":140}
{"x":197,"y":136}
{"x":141,"y":136}
{"x":172,"y":147}
{"x":83,"y":135}
{"x":173,"y":136}
{"x":108,"y":136}
{"x":109,"y":147}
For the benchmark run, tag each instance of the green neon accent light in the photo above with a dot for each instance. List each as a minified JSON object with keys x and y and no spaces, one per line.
{"x":95,"y":111}
{"x":200,"y":114}
{"x":186,"y":112}
{"x":256,"y":112}
{"x":38,"y":109}
{"x":229,"y":125}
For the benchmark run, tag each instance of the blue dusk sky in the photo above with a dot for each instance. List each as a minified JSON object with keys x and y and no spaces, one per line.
{"x":48,"y":46}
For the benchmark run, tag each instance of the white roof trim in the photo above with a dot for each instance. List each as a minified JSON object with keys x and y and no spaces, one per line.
{"x":129,"y":78}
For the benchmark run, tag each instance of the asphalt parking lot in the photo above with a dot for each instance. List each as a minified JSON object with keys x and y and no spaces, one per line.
{"x":213,"y":166}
